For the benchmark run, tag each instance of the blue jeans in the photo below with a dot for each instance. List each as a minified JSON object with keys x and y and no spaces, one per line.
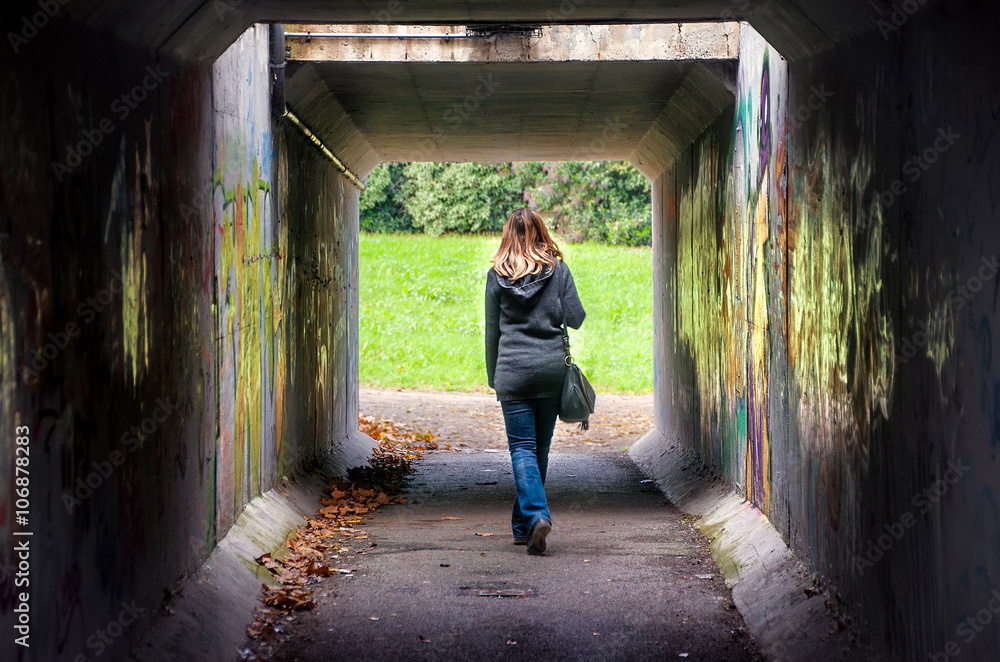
{"x":529,"y":434}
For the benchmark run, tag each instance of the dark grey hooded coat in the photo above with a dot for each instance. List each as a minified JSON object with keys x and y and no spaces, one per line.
{"x":524,"y":349}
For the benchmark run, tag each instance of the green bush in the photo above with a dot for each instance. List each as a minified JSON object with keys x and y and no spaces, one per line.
{"x":630,"y":232}
{"x":383,"y":202}
{"x":601,"y":201}
{"x":462,"y":197}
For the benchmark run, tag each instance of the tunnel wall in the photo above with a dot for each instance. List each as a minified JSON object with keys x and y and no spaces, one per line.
{"x":282,"y":266}
{"x":174,"y":288}
{"x":826,"y":289}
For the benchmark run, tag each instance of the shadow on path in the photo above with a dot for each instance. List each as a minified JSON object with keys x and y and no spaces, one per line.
{"x":625,"y":576}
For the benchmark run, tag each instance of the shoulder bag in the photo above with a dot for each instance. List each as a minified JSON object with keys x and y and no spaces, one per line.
{"x":576,"y":403}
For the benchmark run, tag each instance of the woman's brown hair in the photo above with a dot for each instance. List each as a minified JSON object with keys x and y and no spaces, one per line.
{"x":525,"y":247}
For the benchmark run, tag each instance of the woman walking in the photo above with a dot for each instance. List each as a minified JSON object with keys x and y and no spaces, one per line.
{"x":529,"y":294}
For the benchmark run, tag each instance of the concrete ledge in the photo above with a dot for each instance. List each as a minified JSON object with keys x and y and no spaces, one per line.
{"x":769,"y":584}
{"x":208,"y":615}
{"x":557,"y":43}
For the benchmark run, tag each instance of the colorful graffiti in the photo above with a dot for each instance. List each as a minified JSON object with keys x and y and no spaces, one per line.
{"x":794,"y":291}
{"x":135,"y":317}
{"x":733,"y":226}
{"x":250,"y":303}
{"x":249,"y":280}
{"x":278,"y":210}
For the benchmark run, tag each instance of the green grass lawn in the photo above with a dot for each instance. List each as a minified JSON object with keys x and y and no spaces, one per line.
{"x":422,"y":317}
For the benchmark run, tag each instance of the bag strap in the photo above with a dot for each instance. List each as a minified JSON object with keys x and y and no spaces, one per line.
{"x":565,"y":331}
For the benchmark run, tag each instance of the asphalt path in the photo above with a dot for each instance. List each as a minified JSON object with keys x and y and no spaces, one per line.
{"x":625,"y":575}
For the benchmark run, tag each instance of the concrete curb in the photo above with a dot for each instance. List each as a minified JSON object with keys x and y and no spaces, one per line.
{"x":773,"y":590}
{"x":353,"y":451}
{"x":209,"y":614}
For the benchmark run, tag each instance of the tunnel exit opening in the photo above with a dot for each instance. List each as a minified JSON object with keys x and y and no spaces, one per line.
{"x":581,"y":93}
{"x":429,"y":231}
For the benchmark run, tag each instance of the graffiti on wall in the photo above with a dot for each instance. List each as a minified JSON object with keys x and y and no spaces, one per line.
{"x":728,"y":325}
{"x":246,"y":330}
{"x":133,"y":220}
{"x":795,"y":296}
{"x":250,"y":282}
{"x":840,"y":331}
{"x":278,"y":211}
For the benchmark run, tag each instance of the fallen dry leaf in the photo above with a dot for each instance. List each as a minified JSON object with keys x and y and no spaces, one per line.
{"x":344,"y":503}
{"x":317,"y":569}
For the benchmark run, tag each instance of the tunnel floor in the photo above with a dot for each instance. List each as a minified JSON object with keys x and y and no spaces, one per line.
{"x":625,"y":576}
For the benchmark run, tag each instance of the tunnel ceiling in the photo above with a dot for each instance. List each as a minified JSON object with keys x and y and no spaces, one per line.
{"x":166,"y":16}
{"x":390,"y":100}
{"x":527,"y":111}
{"x":572,"y":93}
{"x":204,"y":29}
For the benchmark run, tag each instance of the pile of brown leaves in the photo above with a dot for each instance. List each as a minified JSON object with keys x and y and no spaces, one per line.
{"x":391,"y":434}
{"x":390,"y":461}
{"x":314,"y":550}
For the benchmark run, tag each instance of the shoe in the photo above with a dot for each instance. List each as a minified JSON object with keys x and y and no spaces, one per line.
{"x":520,"y":541}
{"x":536,"y":539}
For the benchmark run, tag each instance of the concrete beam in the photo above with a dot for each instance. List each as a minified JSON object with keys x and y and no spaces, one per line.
{"x":557,"y":43}
{"x":514,"y":98}
{"x":698,"y":102}
{"x":312,"y":100}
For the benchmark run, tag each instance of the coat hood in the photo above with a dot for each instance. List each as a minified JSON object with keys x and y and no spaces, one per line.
{"x":527,"y":287}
